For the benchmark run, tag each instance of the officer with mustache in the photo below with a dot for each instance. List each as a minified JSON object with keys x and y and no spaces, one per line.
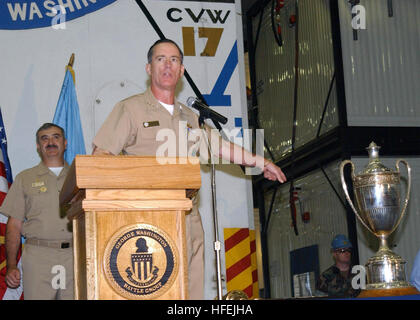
{"x":32,"y":205}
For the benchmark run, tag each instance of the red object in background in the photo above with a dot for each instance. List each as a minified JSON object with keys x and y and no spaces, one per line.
{"x":280,"y":4}
{"x":292,"y":20}
{"x":292,"y":204}
{"x":306,"y":217}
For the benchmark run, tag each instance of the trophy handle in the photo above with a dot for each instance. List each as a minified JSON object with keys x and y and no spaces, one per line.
{"x":343,"y":183}
{"x":407,"y":196}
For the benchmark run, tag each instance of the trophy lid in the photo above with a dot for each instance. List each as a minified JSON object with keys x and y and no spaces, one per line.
{"x":374,"y":165}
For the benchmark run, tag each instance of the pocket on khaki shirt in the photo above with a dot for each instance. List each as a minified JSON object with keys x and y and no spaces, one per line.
{"x":37,"y":199}
{"x":149,"y":133}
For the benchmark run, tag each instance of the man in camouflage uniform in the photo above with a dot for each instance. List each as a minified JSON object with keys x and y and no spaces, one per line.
{"x":336,"y":280}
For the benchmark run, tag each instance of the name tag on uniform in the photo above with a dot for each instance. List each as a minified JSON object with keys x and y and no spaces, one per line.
{"x":149,"y":124}
{"x":37,"y":184}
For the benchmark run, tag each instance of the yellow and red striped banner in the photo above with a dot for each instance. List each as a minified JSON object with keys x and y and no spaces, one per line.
{"x":240,"y":263}
{"x":254,"y":266}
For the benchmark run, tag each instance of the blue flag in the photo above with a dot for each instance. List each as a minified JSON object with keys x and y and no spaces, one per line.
{"x":67,"y":116}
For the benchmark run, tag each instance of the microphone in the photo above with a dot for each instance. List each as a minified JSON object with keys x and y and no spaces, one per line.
{"x":205,"y":111}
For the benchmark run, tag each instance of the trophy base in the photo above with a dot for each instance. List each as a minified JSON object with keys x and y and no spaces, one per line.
{"x":386,"y":270}
{"x":370,"y":293}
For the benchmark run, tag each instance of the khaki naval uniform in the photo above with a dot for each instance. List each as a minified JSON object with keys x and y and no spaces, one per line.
{"x":47,"y":255}
{"x":132,"y":128}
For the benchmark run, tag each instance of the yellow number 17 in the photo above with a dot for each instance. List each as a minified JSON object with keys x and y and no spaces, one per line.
{"x":212,"y":34}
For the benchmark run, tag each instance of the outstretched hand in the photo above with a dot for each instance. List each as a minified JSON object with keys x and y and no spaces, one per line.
{"x":273,"y":172}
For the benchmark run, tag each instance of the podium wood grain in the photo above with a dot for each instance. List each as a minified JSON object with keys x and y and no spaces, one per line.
{"x":130,"y":172}
{"x":104,"y":194}
{"x":170,"y":223}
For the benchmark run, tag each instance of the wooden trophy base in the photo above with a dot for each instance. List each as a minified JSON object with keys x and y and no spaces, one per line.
{"x":388,"y":292}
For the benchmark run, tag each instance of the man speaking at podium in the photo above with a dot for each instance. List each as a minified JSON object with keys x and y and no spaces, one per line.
{"x":134,"y":123}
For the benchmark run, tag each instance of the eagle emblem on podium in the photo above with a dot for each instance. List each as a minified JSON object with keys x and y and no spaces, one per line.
{"x":140,"y":262}
{"x":142,"y":265}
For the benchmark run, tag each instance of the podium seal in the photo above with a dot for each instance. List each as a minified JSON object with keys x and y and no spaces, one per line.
{"x":140,"y":262}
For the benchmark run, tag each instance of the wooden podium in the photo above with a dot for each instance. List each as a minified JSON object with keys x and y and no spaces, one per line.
{"x":128,"y":218}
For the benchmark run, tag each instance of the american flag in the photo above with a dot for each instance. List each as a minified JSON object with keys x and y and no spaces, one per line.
{"x":6,"y":180}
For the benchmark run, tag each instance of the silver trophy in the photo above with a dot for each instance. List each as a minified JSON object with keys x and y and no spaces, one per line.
{"x":377,"y":195}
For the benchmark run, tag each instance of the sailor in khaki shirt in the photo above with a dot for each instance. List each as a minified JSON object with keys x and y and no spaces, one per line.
{"x":32,"y":205}
{"x":134,"y":127}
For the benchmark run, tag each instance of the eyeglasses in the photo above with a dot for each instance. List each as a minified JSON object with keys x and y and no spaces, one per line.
{"x":343,"y":250}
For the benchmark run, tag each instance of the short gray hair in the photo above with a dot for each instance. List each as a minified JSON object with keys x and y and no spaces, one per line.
{"x":150,"y":52}
{"x":46,"y":126}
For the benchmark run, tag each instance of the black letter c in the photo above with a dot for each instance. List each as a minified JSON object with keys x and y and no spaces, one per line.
{"x":169,"y":15}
